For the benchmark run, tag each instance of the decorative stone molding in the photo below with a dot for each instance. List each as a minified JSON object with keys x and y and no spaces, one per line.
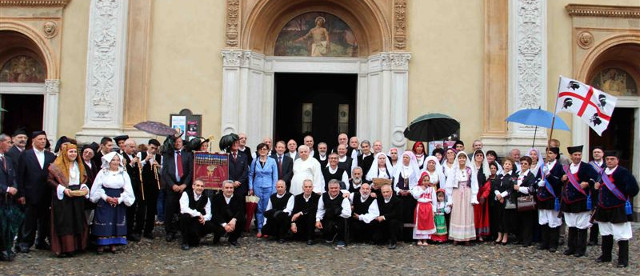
{"x":528,"y":54}
{"x":50,"y":29}
{"x":603,"y":11}
{"x":232,"y":57}
{"x":400,"y":61}
{"x":52,"y":86}
{"x":233,"y":22}
{"x":400,"y":24}
{"x":35,"y":3}
{"x":585,"y":40}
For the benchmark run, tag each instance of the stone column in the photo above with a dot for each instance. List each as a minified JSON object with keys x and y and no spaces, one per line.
{"x":528,"y":67}
{"x":106,"y":60}
{"x":50,"y":118}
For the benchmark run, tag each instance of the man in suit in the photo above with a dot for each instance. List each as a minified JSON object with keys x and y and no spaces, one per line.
{"x":8,"y":190}
{"x":131,"y":163}
{"x":177,"y":177}
{"x":239,"y":169}
{"x":387,"y":225}
{"x":228,"y":214}
{"x":151,"y":163}
{"x":34,"y":192}
{"x":19,"y":140}
{"x":285,"y":164}
{"x":292,"y":147}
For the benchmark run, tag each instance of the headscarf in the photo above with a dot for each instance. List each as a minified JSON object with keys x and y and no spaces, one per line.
{"x":455,"y":172}
{"x":485,"y":164}
{"x":540,"y":160}
{"x":373,"y":171}
{"x":444,"y":156}
{"x":106,"y":159}
{"x":413,"y":167}
{"x":437,"y":175}
{"x":389,"y":155}
{"x":422,"y":176}
{"x":65,"y":164}
{"x":435,"y":160}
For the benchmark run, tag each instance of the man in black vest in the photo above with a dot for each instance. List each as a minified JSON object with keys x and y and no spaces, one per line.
{"x":322,"y":154}
{"x":333,"y":211}
{"x":132,"y":164}
{"x":616,"y":187}
{"x":365,"y":160}
{"x":364,"y":212}
{"x":277,"y":219}
{"x":228,"y":214}
{"x":578,"y":180}
{"x":195,"y":218}
{"x":33,"y":190}
{"x":151,"y":163}
{"x":305,"y":207}
{"x":388,"y":224}
{"x":334,"y":172}
{"x":344,"y":161}
{"x":176,"y":177}
{"x":356,"y":180}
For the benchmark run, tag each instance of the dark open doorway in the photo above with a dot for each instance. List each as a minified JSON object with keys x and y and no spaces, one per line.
{"x":322,"y":105}
{"x":618,"y":136}
{"x":22,"y":111}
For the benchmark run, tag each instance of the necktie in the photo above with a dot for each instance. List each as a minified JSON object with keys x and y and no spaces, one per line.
{"x":4,"y":165}
{"x":280,"y":167}
{"x":179,"y":163}
{"x":235,"y":156}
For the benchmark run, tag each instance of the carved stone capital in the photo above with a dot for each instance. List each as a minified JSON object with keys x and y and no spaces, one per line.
{"x":232,"y":58}
{"x":52,"y":86}
{"x":400,"y":61}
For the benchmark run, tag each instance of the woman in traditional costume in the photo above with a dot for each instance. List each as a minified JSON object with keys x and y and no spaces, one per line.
{"x":425,"y":195}
{"x":434,"y":169}
{"x":69,"y":230}
{"x":111,"y":192}
{"x":481,"y":211}
{"x":440,"y":217}
{"x":463,"y":185}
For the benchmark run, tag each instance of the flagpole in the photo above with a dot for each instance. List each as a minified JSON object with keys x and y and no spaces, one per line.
{"x":555,"y":110}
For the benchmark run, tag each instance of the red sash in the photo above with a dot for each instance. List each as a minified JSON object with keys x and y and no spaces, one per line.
{"x":573,"y":180}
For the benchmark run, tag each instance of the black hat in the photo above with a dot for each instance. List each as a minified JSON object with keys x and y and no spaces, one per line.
{"x":37,"y":133}
{"x":571,"y":150}
{"x":120,"y":138}
{"x":555,"y":150}
{"x":612,"y":153}
{"x":597,"y":147}
{"x":95,"y":146}
{"x":154,"y":142}
{"x":84,"y":147}
{"x":20,"y":131}
{"x":59,"y":143}
{"x":458,"y":142}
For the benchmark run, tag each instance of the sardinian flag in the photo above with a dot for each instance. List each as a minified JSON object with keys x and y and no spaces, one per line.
{"x":592,"y":105}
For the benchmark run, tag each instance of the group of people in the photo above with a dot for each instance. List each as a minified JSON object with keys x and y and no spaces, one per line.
{"x":74,"y":196}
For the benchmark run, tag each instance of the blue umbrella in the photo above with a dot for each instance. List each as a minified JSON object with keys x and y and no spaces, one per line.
{"x":537,"y":117}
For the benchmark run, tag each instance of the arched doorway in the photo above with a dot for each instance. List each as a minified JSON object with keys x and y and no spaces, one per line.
{"x":615,"y":71}
{"x":22,"y":83}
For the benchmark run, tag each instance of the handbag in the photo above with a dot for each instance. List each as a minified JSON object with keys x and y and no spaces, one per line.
{"x":526,"y":203}
{"x":508,"y":204}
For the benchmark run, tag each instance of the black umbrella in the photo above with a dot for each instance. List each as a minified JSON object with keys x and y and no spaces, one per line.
{"x":156,"y":128}
{"x":228,"y":140}
{"x":431,"y":127}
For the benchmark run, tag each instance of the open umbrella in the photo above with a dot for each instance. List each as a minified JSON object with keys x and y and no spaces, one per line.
{"x":251,"y":203}
{"x":537,"y":117}
{"x":227,"y":140}
{"x":431,"y":127}
{"x":156,"y":128}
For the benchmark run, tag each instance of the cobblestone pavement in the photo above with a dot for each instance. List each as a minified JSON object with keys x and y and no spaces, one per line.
{"x":266,"y":257}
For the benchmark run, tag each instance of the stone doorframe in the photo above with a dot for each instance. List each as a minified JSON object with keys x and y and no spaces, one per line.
{"x":381,"y":99}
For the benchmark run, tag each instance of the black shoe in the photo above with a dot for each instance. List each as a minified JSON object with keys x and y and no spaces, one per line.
{"x":149,"y":236}
{"x":392,"y":245}
{"x":5,"y":256}
{"x":170,"y":237}
{"x":42,"y":246}
{"x":569,"y":251}
{"x":602,"y":259}
{"x":621,"y":265}
{"x":578,"y":254}
{"x":234,"y":243}
{"x":310,"y":242}
{"x":23,"y":248}
{"x":216,"y":239}
{"x":592,"y":243}
{"x":184,"y":246}
{"x":134,"y":237}
{"x":553,"y":250}
{"x":281,"y":241}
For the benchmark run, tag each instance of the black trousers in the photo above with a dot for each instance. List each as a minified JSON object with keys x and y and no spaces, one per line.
{"x":36,"y":219}
{"x":277,"y":224}
{"x":306,"y":225}
{"x":146,"y":212}
{"x":193,"y":230}
{"x":219,"y":231}
{"x":336,"y":226}
{"x":171,"y":211}
{"x":360,"y":231}
{"x":387,"y":230}
{"x":525,"y":226}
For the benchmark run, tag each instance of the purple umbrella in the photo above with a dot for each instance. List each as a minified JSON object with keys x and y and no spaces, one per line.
{"x":156,"y":128}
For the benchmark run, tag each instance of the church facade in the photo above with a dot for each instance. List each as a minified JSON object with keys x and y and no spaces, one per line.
{"x":280,"y":69}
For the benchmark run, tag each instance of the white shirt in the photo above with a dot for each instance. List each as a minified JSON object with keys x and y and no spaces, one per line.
{"x":306,"y":169}
{"x":115,"y":180}
{"x":184,"y":206}
{"x":40,"y":157}
{"x":521,"y":177}
{"x":372,"y":212}
{"x":287,"y":209}
{"x":322,"y":157}
{"x":293,"y":155}
{"x":610,"y":171}
{"x":228,"y":199}
{"x":573,"y":168}
{"x":345,"y":213}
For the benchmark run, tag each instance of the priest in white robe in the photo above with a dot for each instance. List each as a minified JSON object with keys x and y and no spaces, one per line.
{"x":306,"y":168}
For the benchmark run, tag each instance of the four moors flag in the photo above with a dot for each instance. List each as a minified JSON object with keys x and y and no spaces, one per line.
{"x":592,"y":105}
